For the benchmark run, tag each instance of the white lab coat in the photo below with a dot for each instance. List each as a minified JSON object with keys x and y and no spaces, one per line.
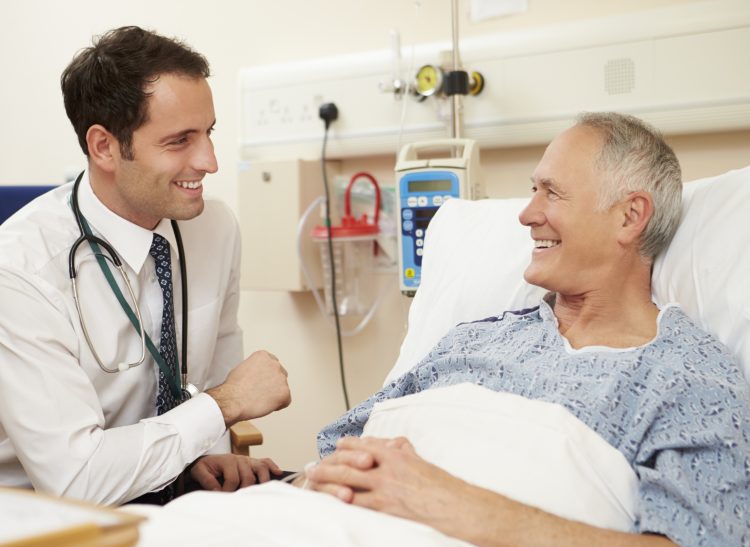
{"x":66,"y":426}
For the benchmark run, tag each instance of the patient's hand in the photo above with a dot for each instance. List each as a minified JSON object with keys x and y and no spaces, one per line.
{"x":228,"y":472}
{"x":386,"y":475}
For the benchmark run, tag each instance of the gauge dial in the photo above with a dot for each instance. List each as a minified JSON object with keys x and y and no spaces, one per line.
{"x":429,"y":80}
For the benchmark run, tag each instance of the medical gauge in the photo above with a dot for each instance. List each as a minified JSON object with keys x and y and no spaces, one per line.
{"x":422,"y":186}
{"x":433,"y":80}
{"x":104,"y":253}
{"x":429,"y":80}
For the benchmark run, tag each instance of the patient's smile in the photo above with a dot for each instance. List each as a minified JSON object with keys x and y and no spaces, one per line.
{"x":545,"y":243}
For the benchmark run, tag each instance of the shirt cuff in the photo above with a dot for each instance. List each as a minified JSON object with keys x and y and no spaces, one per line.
{"x":222,"y":446}
{"x":199,"y":424}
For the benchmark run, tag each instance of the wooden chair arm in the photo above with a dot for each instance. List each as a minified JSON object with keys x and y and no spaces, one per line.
{"x":243,"y":435}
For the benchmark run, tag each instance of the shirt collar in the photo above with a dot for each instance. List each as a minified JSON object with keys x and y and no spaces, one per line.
{"x":131,"y":242}
{"x":546,"y":310}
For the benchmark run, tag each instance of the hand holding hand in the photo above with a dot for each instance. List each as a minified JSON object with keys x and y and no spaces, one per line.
{"x":386,"y":475}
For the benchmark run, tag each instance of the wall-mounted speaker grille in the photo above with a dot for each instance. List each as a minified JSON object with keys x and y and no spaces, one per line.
{"x":619,"y":76}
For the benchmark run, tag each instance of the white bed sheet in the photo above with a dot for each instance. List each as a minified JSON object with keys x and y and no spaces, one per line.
{"x":534,"y":452}
{"x":277,"y":514}
{"x":548,"y":459}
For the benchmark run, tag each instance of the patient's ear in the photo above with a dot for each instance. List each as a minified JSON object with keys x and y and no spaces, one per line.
{"x":103,"y":147}
{"x":637,"y":210}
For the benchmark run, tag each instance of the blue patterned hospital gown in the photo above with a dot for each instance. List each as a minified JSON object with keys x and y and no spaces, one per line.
{"x":678,"y":408}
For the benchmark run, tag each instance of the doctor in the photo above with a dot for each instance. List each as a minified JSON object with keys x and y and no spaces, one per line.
{"x":85,"y":411}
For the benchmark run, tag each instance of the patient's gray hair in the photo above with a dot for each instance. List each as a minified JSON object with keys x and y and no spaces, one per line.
{"x":635,"y":157}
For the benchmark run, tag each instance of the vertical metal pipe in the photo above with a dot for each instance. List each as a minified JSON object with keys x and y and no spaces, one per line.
{"x":454,"y":23}
{"x":456,"y":111}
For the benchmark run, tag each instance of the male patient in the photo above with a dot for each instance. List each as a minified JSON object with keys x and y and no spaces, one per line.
{"x":606,"y":200}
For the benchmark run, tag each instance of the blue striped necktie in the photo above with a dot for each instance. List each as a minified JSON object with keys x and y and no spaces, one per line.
{"x":165,"y":399}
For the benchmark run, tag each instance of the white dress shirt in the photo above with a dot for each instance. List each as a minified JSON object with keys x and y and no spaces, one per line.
{"x":66,"y":426}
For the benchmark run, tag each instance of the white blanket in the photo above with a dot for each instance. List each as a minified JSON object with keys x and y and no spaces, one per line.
{"x":276,"y":514}
{"x":532,"y":451}
{"x":535,"y":452}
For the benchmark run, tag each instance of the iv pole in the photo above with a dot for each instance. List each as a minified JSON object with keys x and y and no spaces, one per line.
{"x":457,"y":120}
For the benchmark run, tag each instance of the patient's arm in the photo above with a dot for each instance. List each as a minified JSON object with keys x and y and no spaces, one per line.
{"x":388,"y":476}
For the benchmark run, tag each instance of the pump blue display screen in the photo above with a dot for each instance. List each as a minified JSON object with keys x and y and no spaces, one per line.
{"x":416,"y":186}
{"x":421,"y":194}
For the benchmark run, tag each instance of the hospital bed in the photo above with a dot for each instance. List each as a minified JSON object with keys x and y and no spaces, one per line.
{"x":475,"y":254}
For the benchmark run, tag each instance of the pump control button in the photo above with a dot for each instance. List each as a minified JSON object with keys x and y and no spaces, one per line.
{"x":409,"y":273}
{"x":437,"y":201}
{"x":408,"y":214}
{"x":422,"y":201}
{"x":411,"y":201}
{"x":419,"y":233}
{"x":408,"y":225}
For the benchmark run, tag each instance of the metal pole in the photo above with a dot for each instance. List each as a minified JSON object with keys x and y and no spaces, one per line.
{"x":456,"y":110}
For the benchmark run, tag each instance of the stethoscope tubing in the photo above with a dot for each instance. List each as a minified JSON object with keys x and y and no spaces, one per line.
{"x":122,"y":367}
{"x":187,"y":390}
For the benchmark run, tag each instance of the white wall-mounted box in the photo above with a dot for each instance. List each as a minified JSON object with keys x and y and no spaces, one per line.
{"x":681,"y":67}
{"x":273,"y":196}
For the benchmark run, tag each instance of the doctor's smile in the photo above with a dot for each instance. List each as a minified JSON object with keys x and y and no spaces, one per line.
{"x":191,"y":185}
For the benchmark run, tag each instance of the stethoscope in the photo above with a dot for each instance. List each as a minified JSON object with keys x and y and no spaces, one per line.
{"x":104,"y":253}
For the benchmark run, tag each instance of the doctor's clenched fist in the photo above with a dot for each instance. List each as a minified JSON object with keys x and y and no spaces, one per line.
{"x":254,"y":388}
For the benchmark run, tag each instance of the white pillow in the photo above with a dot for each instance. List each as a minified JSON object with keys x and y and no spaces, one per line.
{"x":476,"y":252}
{"x":473,"y":263}
{"x":706,"y":268}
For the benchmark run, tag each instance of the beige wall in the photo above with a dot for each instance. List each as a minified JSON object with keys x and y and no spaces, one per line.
{"x":36,"y":145}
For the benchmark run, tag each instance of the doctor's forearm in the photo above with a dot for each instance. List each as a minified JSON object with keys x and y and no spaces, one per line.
{"x":118,"y":464}
{"x":132,"y":460}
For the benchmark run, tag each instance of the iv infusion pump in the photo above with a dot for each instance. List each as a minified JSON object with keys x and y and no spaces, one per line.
{"x":451,"y":170}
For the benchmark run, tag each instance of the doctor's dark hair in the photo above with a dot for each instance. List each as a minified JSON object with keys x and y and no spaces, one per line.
{"x":635,"y":157}
{"x":108,"y":83}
